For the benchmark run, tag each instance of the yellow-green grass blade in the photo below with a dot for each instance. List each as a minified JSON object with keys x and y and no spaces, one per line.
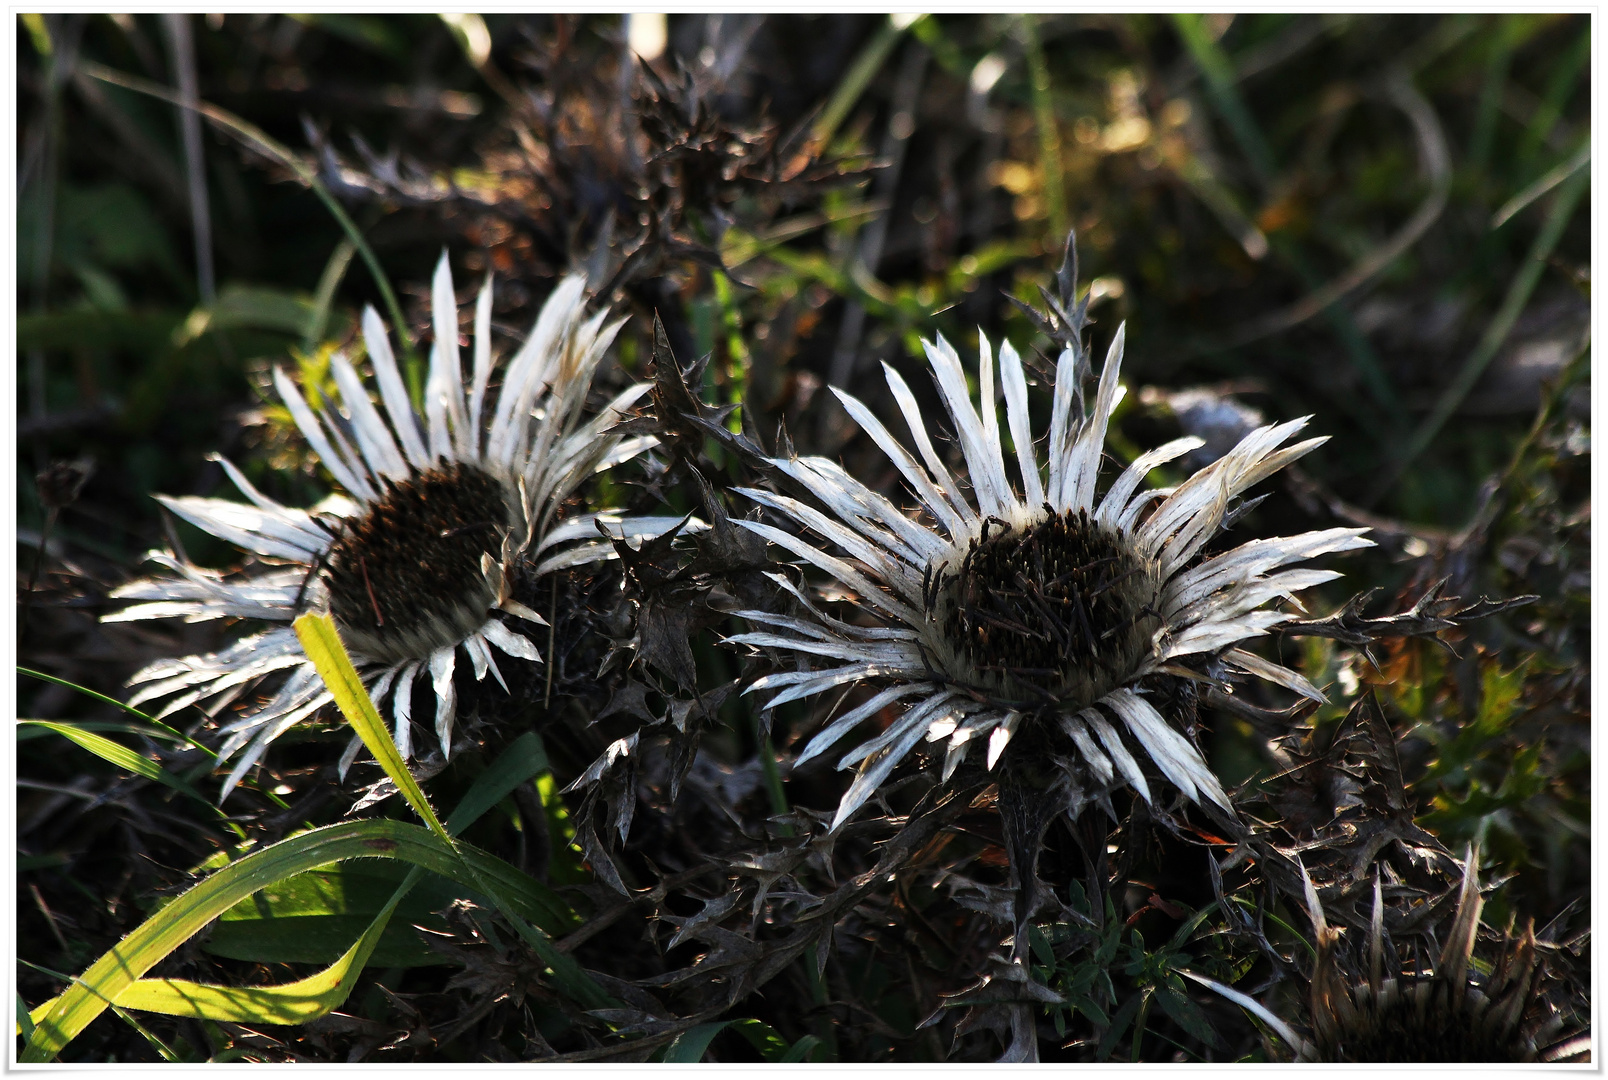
{"x":322,"y":644}
{"x":171,"y":733}
{"x":149,"y":943}
{"x":292,"y":1003}
{"x":121,"y":756}
{"x":307,"y":999}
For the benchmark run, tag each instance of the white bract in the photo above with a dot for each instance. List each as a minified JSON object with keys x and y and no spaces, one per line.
{"x":1039,"y":605}
{"x":415,"y":558}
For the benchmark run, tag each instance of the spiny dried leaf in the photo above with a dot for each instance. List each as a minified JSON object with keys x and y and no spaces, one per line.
{"x":1431,"y":614}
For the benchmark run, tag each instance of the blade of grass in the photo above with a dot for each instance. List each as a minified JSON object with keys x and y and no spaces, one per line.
{"x":858,"y":77}
{"x":1560,"y":88}
{"x":1549,"y":180}
{"x":1218,"y":69}
{"x":322,"y":644}
{"x":115,"y":979}
{"x":177,"y":736}
{"x":129,"y":761}
{"x":324,"y":648}
{"x":263,"y":143}
{"x":153,"y":940}
{"x":1518,"y":294}
{"x":1049,"y":132}
{"x":324,"y":298}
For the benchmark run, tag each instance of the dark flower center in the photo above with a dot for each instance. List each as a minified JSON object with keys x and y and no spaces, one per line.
{"x":1058,"y":612}
{"x":405,"y":579}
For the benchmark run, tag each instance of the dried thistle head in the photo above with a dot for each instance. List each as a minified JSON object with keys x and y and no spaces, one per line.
{"x":1369,"y":1006}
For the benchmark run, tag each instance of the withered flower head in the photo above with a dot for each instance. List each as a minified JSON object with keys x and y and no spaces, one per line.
{"x":1037,"y":607}
{"x":1448,"y":1014}
{"x":415,"y":557}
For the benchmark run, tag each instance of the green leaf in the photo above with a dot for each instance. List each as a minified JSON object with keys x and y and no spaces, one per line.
{"x":762,"y":1037}
{"x":112,"y":978}
{"x":523,"y":760}
{"x":801,"y":1049}
{"x":690,"y":1045}
{"x":1185,"y":1013}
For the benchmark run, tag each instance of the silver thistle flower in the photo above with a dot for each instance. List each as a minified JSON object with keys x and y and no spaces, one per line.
{"x":415,"y":559}
{"x":1040,"y":606}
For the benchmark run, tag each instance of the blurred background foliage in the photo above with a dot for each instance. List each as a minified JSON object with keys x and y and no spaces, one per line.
{"x":1380,"y":221}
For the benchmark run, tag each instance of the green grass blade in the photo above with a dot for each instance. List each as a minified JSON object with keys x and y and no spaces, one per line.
{"x":859,"y":76}
{"x":492,"y":876}
{"x":262,"y":142}
{"x":1049,"y":131}
{"x":322,"y":644}
{"x":525,"y":759}
{"x":307,"y":999}
{"x":292,"y":1003}
{"x":171,"y":733}
{"x":1518,"y":295}
{"x":1218,"y":69}
{"x":123,"y":758}
{"x":153,"y":940}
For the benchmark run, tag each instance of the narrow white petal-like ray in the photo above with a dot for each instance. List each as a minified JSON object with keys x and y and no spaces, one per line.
{"x":435,"y":409}
{"x":441,"y":666}
{"x":838,"y":569}
{"x":1252,"y":664}
{"x":1001,"y":736}
{"x":834,"y":731}
{"x":873,"y":772}
{"x":1116,"y":499}
{"x":402,"y":709}
{"x":478,"y":656}
{"x":989,"y":412}
{"x":904,"y":578}
{"x":855,"y":503}
{"x":509,"y":642}
{"x":1130,"y":513}
{"x":266,"y":736}
{"x":918,"y":431}
{"x":1083,"y":468}
{"x":299,"y":518}
{"x":448,"y":377}
{"x":482,"y":361}
{"x":1245,"y":595}
{"x":1092,"y":757}
{"x":313,"y":431}
{"x":395,"y":395}
{"x":1256,"y":557}
{"x":991,"y":500}
{"x":920,"y":714}
{"x":1112,"y":741}
{"x":348,"y":756}
{"x":354,"y":461}
{"x":1173,"y":754}
{"x":373,"y":437}
{"x":1212,"y":634}
{"x":803,"y":684}
{"x":887,"y":652}
{"x":1061,"y":430}
{"x":248,"y":527}
{"x":937,"y":502}
{"x":848,"y":631}
{"x":527,"y":371}
{"x":1016,"y":413}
